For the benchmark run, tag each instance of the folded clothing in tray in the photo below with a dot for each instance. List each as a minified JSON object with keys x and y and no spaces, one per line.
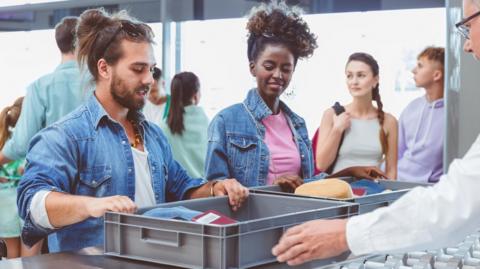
{"x":183,"y":213}
{"x":370,"y":187}
{"x":178,"y":212}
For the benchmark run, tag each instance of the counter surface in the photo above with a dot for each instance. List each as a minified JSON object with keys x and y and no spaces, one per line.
{"x":87,"y":258}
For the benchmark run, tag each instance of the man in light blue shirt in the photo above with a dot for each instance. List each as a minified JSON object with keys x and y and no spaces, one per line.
{"x":50,"y":97}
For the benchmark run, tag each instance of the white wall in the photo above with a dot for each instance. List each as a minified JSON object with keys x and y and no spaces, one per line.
{"x":24,"y":57}
{"x":216,"y":51}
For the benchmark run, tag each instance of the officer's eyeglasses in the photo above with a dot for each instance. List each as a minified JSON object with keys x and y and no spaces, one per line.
{"x":462,"y":28}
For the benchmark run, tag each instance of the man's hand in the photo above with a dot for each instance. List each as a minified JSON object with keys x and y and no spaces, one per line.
{"x":288,"y":182}
{"x":317,"y":239}
{"x":96,"y":207}
{"x":237,"y":193}
{"x":367,"y":172}
{"x":3,"y":180}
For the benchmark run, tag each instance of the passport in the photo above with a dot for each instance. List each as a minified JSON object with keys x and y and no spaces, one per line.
{"x":359,"y":191}
{"x":213,"y":217}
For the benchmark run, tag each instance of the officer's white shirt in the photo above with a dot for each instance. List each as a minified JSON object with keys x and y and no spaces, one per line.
{"x":424,"y":218}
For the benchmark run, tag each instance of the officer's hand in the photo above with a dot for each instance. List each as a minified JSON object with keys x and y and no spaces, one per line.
{"x":317,"y":239}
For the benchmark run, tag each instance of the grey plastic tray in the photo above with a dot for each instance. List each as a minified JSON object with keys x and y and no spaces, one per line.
{"x":261,"y":222}
{"x":367,"y":203}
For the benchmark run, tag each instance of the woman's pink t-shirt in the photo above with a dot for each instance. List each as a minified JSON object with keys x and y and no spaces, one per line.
{"x":284,"y":154}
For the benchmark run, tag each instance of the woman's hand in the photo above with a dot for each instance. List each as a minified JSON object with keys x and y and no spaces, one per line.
{"x":237,"y":193}
{"x":367,"y":172}
{"x":342,"y":121}
{"x":288,"y":182}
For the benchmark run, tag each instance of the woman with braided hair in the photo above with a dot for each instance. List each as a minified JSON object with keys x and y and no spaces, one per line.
{"x":8,"y":119}
{"x":369,"y":133}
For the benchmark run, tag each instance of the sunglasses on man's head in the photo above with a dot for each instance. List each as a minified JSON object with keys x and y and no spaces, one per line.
{"x":134,"y":29}
{"x":130,"y":28}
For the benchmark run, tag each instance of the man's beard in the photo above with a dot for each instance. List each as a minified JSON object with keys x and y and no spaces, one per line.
{"x":124,"y":97}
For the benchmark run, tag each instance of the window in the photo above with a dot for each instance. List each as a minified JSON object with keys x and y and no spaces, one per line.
{"x":216,"y":51}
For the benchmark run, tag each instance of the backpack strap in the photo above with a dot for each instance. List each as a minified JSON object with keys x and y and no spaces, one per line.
{"x":339,"y":109}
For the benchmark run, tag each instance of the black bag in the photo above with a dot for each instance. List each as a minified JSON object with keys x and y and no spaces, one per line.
{"x":339,"y":109}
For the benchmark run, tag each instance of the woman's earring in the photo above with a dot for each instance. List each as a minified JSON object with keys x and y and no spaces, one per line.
{"x":290,"y":94}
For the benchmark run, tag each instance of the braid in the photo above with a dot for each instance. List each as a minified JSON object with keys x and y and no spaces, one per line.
{"x":381,"y":117}
{"x":4,"y":126}
{"x":376,"y":97}
{"x":8,"y":119}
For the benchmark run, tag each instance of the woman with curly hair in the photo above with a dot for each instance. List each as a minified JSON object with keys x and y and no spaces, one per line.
{"x":262,"y":141}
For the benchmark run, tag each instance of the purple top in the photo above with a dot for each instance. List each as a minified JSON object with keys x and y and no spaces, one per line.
{"x":420,"y":141}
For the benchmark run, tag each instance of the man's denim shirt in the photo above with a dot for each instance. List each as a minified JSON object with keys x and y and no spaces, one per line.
{"x":88,"y":153}
{"x":236,"y":147}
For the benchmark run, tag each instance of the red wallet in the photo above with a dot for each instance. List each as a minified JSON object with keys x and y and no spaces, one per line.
{"x":359,"y":191}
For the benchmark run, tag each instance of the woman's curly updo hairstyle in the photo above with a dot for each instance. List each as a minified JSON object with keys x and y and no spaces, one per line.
{"x":278,"y":24}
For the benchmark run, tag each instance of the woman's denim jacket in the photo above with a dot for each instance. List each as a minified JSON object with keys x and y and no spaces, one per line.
{"x":236,"y":147}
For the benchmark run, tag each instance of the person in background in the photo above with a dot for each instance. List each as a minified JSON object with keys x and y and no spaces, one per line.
{"x":422,"y":123}
{"x":424,"y":218}
{"x":104,"y":156}
{"x":369,"y":133}
{"x":10,"y":173}
{"x":187,"y":123}
{"x":157,"y":104}
{"x":50,"y":97}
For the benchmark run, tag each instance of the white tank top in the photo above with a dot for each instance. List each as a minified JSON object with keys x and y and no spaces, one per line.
{"x":361,"y":145}
{"x":144,"y":195}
